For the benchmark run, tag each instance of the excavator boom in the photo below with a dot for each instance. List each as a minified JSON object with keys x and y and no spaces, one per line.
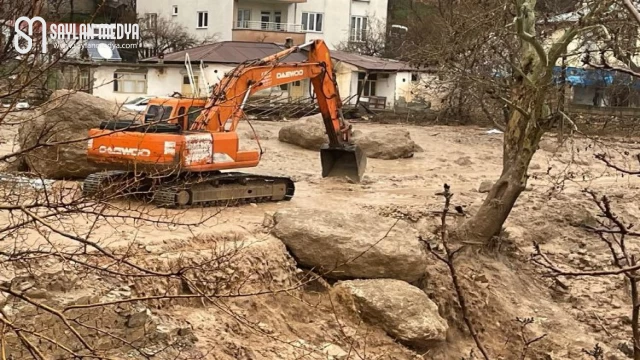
{"x":195,"y":151}
{"x":224,"y":111}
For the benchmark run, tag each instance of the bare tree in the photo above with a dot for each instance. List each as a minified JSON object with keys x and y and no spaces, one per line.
{"x":495,"y":46}
{"x":160,"y":35}
{"x":371,"y":41}
{"x":618,"y":237}
{"x":448,"y":254}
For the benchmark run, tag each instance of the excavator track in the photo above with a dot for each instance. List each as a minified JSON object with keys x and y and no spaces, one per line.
{"x":98,"y":183}
{"x":202,"y":190}
{"x":224,"y":189}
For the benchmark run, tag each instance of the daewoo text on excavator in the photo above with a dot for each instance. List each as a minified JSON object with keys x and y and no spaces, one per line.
{"x":179,"y":161}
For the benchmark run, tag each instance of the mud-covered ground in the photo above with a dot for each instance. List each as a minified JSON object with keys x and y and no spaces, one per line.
{"x":576,"y":315}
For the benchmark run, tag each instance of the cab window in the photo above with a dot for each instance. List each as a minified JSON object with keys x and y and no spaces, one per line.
{"x":194,"y":112}
{"x":158,"y":113}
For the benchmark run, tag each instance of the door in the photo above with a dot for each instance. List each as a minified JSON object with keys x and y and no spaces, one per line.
{"x":265,"y":19}
{"x":186,"y":86}
{"x":277,"y":19}
{"x":244,"y":17}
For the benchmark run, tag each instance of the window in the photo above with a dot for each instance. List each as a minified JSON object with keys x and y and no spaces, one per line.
{"x":132,"y":83}
{"x":265,"y":19}
{"x":150,"y":20}
{"x":158,"y":113}
{"x":277,"y":19}
{"x":312,"y":22}
{"x":358,"y":29}
{"x":182,"y":119}
{"x":414,"y":77}
{"x":175,"y":10}
{"x":193,"y":114}
{"x":84,"y":80}
{"x":133,"y":101}
{"x":369,"y":86}
{"x":203,"y":19}
{"x":244,"y":17}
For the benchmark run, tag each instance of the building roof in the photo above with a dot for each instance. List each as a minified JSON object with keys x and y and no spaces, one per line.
{"x":228,"y":52}
{"x":371,"y":63}
{"x":581,"y":11}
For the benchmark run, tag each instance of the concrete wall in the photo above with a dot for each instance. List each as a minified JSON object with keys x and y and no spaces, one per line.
{"x":344,"y":79}
{"x":161,"y":81}
{"x":164,"y":81}
{"x":223,"y":13}
{"x":337,"y":17}
{"x":578,"y":47}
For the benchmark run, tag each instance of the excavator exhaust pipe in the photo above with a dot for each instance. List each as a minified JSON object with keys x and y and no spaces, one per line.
{"x":347,"y":161}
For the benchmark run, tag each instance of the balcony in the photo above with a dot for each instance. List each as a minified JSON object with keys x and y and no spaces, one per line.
{"x":267,"y":32}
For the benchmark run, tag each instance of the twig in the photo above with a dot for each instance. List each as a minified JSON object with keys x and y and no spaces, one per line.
{"x":448,"y":259}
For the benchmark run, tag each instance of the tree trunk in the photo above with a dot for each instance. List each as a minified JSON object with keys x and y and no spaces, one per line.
{"x":520,"y":144}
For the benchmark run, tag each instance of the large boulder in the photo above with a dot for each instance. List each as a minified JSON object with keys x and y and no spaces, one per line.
{"x":387,"y":144}
{"x":308,"y":133}
{"x":224,"y":261}
{"x":346,"y":246}
{"x":402,"y":310}
{"x":67,"y":116}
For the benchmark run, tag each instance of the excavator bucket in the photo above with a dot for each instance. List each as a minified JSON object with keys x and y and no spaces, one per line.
{"x":348,"y":161}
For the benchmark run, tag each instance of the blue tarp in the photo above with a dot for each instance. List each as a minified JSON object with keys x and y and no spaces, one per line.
{"x":593,"y":77}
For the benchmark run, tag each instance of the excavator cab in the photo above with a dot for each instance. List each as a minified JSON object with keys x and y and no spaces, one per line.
{"x":344,"y":161}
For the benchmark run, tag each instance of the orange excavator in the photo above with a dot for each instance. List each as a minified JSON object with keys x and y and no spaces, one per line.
{"x":180,"y":161}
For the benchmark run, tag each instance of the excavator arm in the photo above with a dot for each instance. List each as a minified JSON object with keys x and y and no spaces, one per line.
{"x":225,"y":108}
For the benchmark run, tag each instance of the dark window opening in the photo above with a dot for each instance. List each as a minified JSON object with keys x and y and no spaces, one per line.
{"x":194,"y":112}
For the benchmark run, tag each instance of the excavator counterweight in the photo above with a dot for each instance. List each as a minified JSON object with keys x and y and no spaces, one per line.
{"x":180,"y":154}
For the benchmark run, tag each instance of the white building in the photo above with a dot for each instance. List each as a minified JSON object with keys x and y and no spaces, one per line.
{"x":334,"y":21}
{"x":162,"y":77}
{"x":380,"y":83}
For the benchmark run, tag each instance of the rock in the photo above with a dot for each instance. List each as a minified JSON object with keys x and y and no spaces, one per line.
{"x":402,"y":310}
{"x":581,"y":217}
{"x":185,"y":331}
{"x":261,"y":135}
{"x":485,"y":186}
{"x":333,"y":351}
{"x":89,"y":299}
{"x":386,"y":144}
{"x":358,"y":244}
{"x":69,"y":115}
{"x":37,"y":294}
{"x":626,"y":348}
{"x":552,"y":146}
{"x":267,"y":220}
{"x":535,"y":167}
{"x":247,"y":264}
{"x":138,"y":319}
{"x":308,"y":133}
{"x":464,"y":161}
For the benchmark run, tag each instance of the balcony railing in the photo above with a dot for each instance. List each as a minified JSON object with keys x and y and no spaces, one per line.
{"x":268,"y":26}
